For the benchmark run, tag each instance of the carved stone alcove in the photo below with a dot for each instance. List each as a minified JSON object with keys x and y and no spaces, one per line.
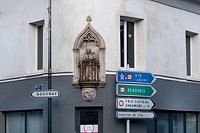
{"x":89,"y":60}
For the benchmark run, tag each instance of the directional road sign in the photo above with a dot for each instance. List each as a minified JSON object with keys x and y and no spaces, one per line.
{"x":135,"y":115}
{"x":45,"y":94}
{"x":134,"y":77}
{"x":134,"y":103}
{"x":134,"y":90}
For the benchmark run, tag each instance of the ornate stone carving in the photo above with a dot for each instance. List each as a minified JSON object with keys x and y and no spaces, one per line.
{"x":89,"y":68}
{"x":89,"y":56}
{"x":88,"y":94}
{"x":89,"y":60}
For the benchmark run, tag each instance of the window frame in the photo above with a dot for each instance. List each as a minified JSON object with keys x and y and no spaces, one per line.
{"x":25,"y":116}
{"x":189,"y":43}
{"x":39,"y":44}
{"x":77,"y":117}
{"x":124,"y":52}
{"x":170,"y":120}
{"x":124,"y":49}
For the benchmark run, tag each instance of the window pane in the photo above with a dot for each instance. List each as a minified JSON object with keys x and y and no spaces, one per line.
{"x":130,"y":44}
{"x":122,"y":42}
{"x":162,"y":123}
{"x":188,"y":55}
{"x":34,"y":122}
{"x":177,"y":123}
{"x":15,"y":122}
{"x":40,"y":47}
{"x":191,"y":123}
{"x":89,"y":121}
{"x":88,"y":117}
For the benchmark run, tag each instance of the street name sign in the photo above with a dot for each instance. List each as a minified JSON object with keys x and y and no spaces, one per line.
{"x":134,"y":90}
{"x":135,"y":115}
{"x":45,"y":94}
{"x":134,"y":77}
{"x":134,"y":103}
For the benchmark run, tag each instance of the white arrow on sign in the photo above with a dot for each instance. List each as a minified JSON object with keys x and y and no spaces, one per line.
{"x":135,"y":115}
{"x":134,"y":103}
{"x":45,"y":94}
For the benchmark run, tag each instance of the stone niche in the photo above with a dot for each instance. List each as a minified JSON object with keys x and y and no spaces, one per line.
{"x":89,"y":59}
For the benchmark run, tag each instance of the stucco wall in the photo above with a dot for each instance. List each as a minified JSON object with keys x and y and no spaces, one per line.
{"x":160,"y":35}
{"x":16,"y":51}
{"x":166,"y":40}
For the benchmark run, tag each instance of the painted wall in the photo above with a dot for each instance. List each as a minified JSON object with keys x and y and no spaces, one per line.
{"x":188,"y":5}
{"x":17,"y":52}
{"x":17,"y":98}
{"x":166,"y":40}
{"x":160,"y":35}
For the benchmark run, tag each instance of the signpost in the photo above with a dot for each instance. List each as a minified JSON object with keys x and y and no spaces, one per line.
{"x":135,"y":115}
{"x":134,"y":77}
{"x":135,"y":90}
{"x":45,"y":94}
{"x":134,"y":103}
{"x":130,"y":84}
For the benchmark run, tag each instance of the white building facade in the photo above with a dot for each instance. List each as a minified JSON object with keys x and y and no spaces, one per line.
{"x":156,"y":36}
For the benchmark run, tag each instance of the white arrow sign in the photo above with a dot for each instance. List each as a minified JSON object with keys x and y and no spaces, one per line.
{"x":135,"y":115}
{"x":45,"y":94}
{"x":134,"y":103}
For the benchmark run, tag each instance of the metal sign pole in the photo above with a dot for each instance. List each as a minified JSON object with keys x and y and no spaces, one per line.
{"x":127,"y":121}
{"x":127,"y":126}
{"x":49,"y":69}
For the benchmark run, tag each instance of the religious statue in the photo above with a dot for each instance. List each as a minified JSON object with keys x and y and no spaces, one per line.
{"x":89,"y":61}
{"x":89,"y":67}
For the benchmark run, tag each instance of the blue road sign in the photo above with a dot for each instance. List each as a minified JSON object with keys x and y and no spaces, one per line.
{"x":134,"y":77}
{"x":39,"y":87}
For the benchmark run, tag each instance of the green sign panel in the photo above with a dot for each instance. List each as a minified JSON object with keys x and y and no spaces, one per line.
{"x":135,"y":90}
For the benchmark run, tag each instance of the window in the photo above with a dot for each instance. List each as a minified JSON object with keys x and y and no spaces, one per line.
{"x":40,"y":47}
{"x":89,"y":120}
{"x":38,"y":28}
{"x":191,"y":123}
{"x":189,"y":36}
{"x":128,"y":41}
{"x":188,"y":54}
{"x":162,"y":123}
{"x":24,"y":122}
{"x":176,"y":122}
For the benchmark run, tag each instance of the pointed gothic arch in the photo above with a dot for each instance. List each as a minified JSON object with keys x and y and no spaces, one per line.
{"x":89,"y":58}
